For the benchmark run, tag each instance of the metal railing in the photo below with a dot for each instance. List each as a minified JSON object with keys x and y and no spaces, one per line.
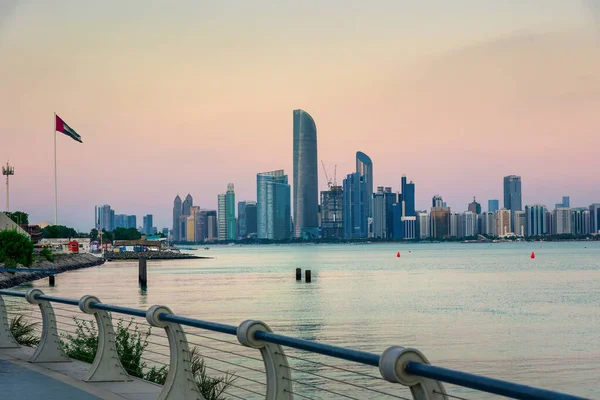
{"x":274,"y":374}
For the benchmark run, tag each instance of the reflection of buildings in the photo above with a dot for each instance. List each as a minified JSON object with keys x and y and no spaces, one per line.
{"x":332,"y":212}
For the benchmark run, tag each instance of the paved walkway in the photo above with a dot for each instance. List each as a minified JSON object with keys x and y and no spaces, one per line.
{"x":20,"y":379}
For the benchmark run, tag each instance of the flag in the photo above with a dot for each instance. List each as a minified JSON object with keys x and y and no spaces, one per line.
{"x":62,"y":127}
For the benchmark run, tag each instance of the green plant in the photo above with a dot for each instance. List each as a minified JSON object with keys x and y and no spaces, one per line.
{"x":15,"y":248}
{"x":19,"y":217}
{"x":24,"y":331}
{"x":47,"y":254}
{"x":212,"y":388}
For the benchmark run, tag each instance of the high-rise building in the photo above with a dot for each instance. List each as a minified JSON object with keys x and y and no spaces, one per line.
{"x":364,"y":167}
{"x":131,"y":221}
{"x":251,"y":219}
{"x":383,"y":202}
{"x":423,"y":225}
{"x":440,"y":222}
{"x":537,"y":223}
{"x":147,"y":230}
{"x":503,"y":222}
{"x":212,"y":230}
{"x":512,"y":194}
{"x":404,"y":215}
{"x":332,"y":213}
{"x":467,"y":224}
{"x":273,"y":205}
{"x":580,"y":221}
{"x":595,"y":218}
{"x":355,"y":217}
{"x":177,"y":219}
{"x":121,"y":221}
{"x":474,"y":207}
{"x":165,"y":232}
{"x":437,"y":201}
{"x":231,"y":222}
{"x":566,"y":203}
{"x":306,"y":187}
{"x":190,"y":229}
{"x":242,"y":231}
{"x":454,"y":224}
{"x":222,"y":216}
{"x":105,"y":218}
{"x":186,"y":207}
{"x":520,"y":223}
{"x":493,"y":206}
{"x":562,"y":221}
{"x":488,"y":224}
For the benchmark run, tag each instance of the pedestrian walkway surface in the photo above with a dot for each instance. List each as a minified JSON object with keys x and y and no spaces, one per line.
{"x":20,"y":380}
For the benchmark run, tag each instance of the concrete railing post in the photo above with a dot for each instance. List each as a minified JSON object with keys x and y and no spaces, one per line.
{"x":49,"y":349}
{"x":107,"y":366}
{"x":180,"y":384}
{"x":279,"y":384}
{"x":391,"y":366}
{"x":7,"y":340}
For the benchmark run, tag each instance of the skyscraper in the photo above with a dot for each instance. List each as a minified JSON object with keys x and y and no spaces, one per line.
{"x":222,"y":216}
{"x":537,"y":223}
{"x":306,"y":185}
{"x":176,"y":219}
{"x":474,"y":207}
{"x":437,"y":201}
{"x":242,"y":232}
{"x":512,"y":195}
{"x":493,"y":206}
{"x":440,"y":222}
{"x":520,"y":222}
{"x":231,"y":222}
{"x":364,"y":167}
{"x":580,"y":221}
{"x":273,"y":205}
{"x":566,"y":203}
{"x":383,"y":221}
{"x":405,"y":227}
{"x":562,"y":221}
{"x":595,"y":218}
{"x":251,"y":219}
{"x":186,"y":208}
{"x":148,"y":224}
{"x":503,"y":217}
{"x":423,"y":225}
{"x":332,"y":213}
{"x":105,"y":217}
{"x":355,"y":207}
{"x":212,"y":231}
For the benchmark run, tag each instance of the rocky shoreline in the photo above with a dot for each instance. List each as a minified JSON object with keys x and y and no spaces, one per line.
{"x":62,"y":263}
{"x":150,"y":255}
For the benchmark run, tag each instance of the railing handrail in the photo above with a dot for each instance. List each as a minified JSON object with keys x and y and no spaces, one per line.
{"x":468,"y":380}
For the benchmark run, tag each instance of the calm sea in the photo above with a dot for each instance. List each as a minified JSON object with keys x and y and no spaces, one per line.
{"x":482,"y":308}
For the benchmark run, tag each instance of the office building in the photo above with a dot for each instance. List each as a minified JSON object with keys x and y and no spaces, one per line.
{"x":131,"y":221}
{"x":595,"y":218}
{"x":186,"y":207}
{"x":562,"y":221}
{"x":383,"y":221}
{"x":273,"y":205}
{"x":493,"y":205}
{"x":537,"y":223}
{"x":242,"y":230}
{"x":251,"y":219}
{"x":580,"y":221}
{"x":467,"y":224}
{"x":177,"y":206}
{"x":165,"y":232}
{"x":332,"y":213}
{"x":512,"y":194}
{"x":440,"y":222}
{"x":519,"y":223}
{"x":148,"y":223}
{"x":454,"y":223}
{"x":437,"y":201}
{"x":231,"y":222}
{"x":474,"y":207}
{"x":222,"y":216}
{"x":404,"y":215}
{"x":503,"y":222}
{"x":355,"y":218}
{"x":105,"y":218}
{"x":488,"y":224}
{"x":190,"y":229}
{"x":423,"y":225}
{"x":364,"y":167}
{"x":566,"y":203}
{"x":306,"y":187}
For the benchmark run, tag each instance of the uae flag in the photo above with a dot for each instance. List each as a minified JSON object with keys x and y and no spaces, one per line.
{"x":61,"y":126}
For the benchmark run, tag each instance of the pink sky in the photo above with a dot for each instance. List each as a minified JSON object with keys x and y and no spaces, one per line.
{"x":174,"y":100}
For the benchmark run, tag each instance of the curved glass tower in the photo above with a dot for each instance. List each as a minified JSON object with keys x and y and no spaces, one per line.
{"x":364,"y":166}
{"x":306,"y":185}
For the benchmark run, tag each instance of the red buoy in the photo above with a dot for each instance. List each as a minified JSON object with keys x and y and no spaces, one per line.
{"x":532,"y":254}
{"x":398,"y":255}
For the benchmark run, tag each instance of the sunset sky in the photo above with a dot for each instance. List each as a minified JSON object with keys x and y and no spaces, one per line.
{"x":183,"y":97}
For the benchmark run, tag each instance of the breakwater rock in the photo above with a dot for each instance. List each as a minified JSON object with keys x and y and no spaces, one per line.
{"x":62,"y":263}
{"x":150,"y":255}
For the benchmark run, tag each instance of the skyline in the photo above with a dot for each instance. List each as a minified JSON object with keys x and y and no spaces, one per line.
{"x":456,"y":100}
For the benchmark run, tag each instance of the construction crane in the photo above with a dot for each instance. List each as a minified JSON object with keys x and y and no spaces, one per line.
{"x":329,"y":182}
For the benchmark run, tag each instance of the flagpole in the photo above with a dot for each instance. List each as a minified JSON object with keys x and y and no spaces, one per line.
{"x":55,"y":184}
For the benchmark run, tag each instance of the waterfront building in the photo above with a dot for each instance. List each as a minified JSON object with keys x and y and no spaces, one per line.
{"x":562,"y":221}
{"x":467,"y":224}
{"x":183,"y":227}
{"x":105,"y":218}
{"x":404,"y":215}
{"x":177,"y":206}
{"x":537,"y":223}
{"x":566,"y":203}
{"x":305,"y":171}
{"x":454,"y":223}
{"x":231,"y":222}
{"x":493,"y":205}
{"x":512,"y":194}
{"x":488,"y":224}
{"x":364,"y":167}
{"x":212,"y":229}
{"x":131,"y":221}
{"x":273,"y":206}
{"x":580,"y":221}
{"x":423,"y":225}
{"x":332,"y":213}
{"x":165,"y":232}
{"x":251,"y":219}
{"x":222,"y":216}
{"x":519,"y":223}
{"x":121,"y":221}
{"x":383,"y":202}
{"x":186,"y":208}
{"x":474,"y":207}
{"x":503,"y":222}
{"x":595,"y":218}
{"x":190,"y":230}
{"x":437,"y":201}
{"x":147,"y":229}
{"x":440,"y":222}
{"x":242,"y":230}
{"x":355,"y":217}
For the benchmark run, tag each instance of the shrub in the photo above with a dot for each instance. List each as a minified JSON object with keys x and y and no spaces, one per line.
{"x":15,"y":248}
{"x":24,"y":331}
{"x":47,"y":254}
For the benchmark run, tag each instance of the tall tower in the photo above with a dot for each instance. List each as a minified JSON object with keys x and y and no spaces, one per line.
{"x":8,"y":171}
{"x":231,"y":223}
{"x":176,"y":219}
{"x":306,"y":185}
{"x":364,"y":167}
{"x":512,"y":195}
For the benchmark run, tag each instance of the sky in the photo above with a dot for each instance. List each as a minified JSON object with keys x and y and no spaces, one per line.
{"x":184,"y":97}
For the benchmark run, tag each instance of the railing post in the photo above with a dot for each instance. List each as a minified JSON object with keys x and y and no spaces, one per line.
{"x":107,"y":366}
{"x":391,"y":367}
{"x":279,"y":384}
{"x":180,"y":384}
{"x":7,"y":340}
{"x":49,"y":349}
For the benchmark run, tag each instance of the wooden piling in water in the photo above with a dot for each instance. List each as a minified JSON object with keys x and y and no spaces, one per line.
{"x":298,"y":274}
{"x":51,"y":280}
{"x":143,"y":272}
{"x":307,"y":277}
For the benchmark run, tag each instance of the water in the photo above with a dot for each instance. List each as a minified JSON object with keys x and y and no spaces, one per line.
{"x":481,"y":308}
